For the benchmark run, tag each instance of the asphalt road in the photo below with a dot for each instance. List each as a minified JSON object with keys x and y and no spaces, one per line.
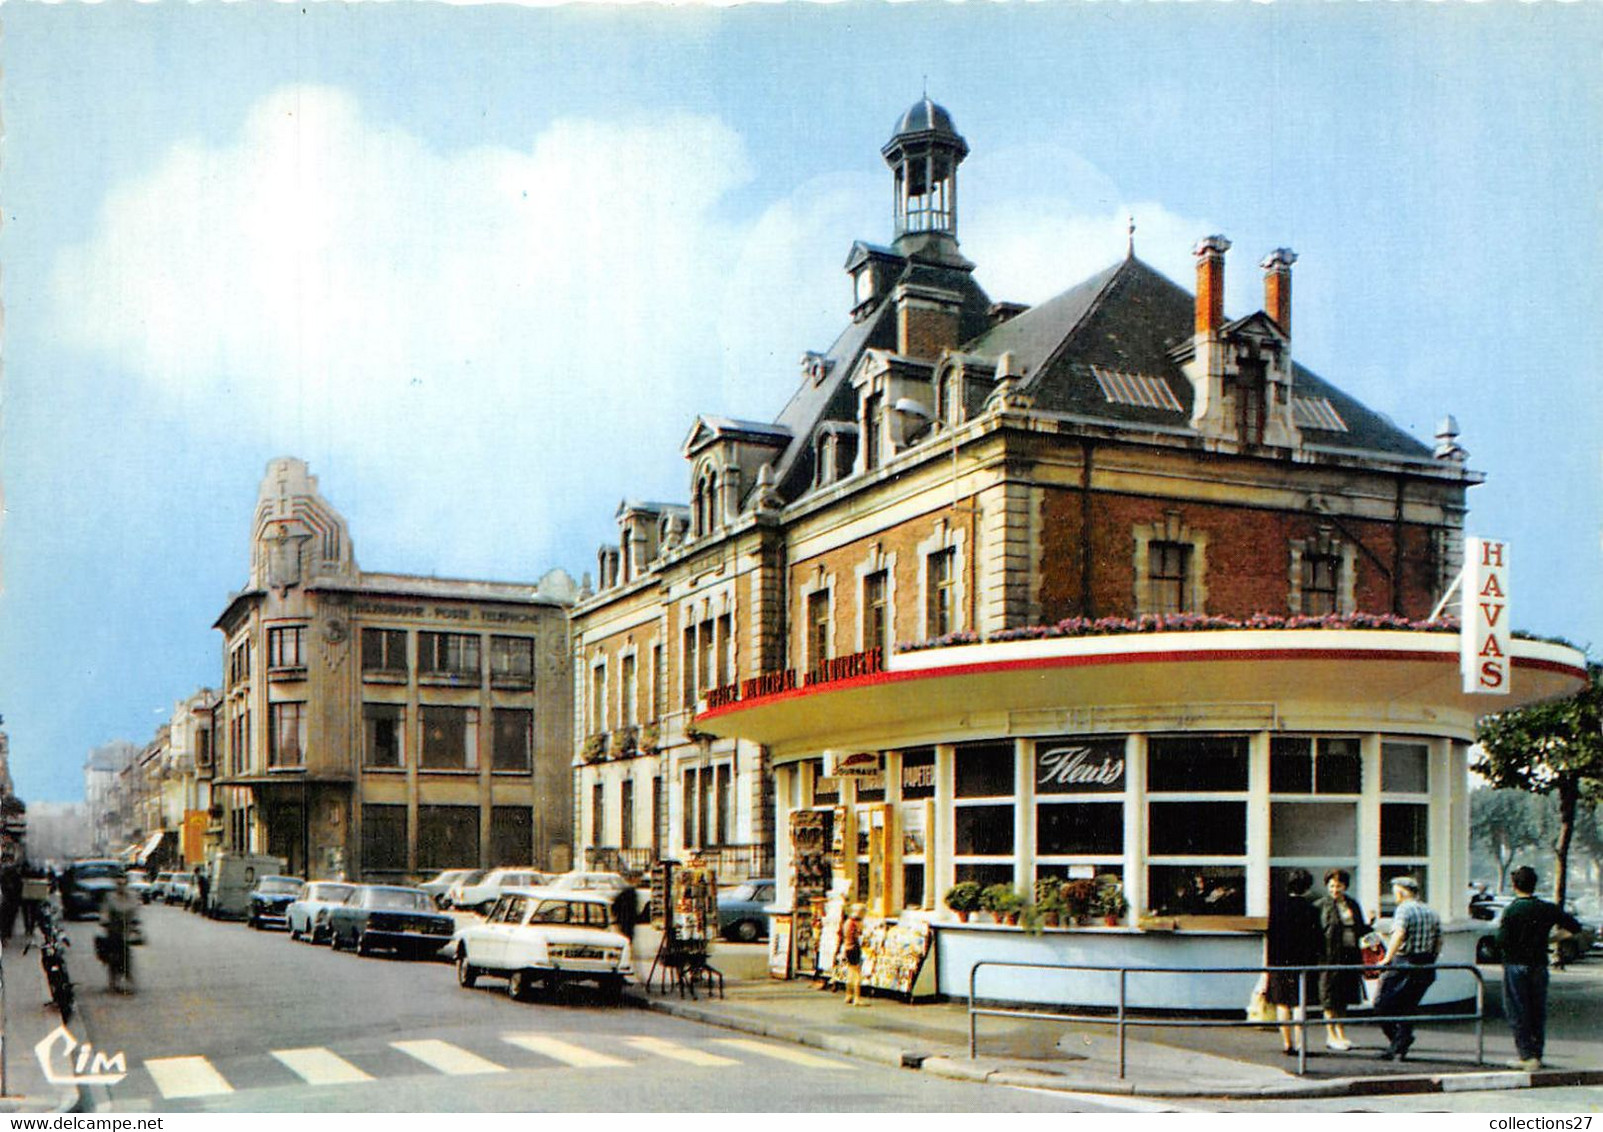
{"x":230,"y":1019}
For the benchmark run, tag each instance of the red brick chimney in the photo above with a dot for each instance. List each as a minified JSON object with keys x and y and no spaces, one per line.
{"x":1210,"y":254}
{"x":1277,"y":286}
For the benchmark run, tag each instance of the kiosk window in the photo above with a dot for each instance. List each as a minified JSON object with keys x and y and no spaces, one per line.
{"x":1404,"y":768}
{"x":1196,"y":829}
{"x":1079,"y":829}
{"x":985,"y":770}
{"x":1196,"y":763}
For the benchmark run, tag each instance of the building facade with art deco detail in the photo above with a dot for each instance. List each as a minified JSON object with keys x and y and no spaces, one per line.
{"x":898,"y":575}
{"x":383,"y":725}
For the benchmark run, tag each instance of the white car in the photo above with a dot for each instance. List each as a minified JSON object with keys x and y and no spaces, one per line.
{"x":609,"y":884}
{"x":307,"y":915}
{"x":546,"y":937}
{"x":481,"y":894}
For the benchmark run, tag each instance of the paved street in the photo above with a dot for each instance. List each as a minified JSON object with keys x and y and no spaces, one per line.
{"x":266,"y":1024}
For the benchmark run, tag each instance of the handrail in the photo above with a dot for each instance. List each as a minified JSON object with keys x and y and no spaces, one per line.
{"x":1300,"y":1021}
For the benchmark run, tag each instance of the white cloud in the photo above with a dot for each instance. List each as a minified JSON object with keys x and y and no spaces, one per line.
{"x":531,"y":328}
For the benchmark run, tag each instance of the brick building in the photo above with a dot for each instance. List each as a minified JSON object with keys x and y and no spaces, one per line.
{"x":383,"y":725}
{"x":956,"y":470}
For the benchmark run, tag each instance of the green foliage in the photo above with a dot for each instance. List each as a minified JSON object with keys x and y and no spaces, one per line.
{"x":1000,"y":899}
{"x":1109,"y":897}
{"x":1509,"y":823}
{"x":964,"y":896}
{"x":1555,"y":748}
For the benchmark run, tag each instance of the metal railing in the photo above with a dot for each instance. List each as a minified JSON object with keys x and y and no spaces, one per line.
{"x":1122,"y":1018}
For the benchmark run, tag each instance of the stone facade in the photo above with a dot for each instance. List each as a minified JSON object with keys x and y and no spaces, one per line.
{"x":383,"y":725}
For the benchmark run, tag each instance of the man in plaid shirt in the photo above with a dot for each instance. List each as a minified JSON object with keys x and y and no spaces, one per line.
{"x":1416,"y":940}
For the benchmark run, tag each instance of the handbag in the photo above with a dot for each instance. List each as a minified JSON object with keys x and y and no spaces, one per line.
{"x":1373,"y":949}
{"x":1259,"y":1008}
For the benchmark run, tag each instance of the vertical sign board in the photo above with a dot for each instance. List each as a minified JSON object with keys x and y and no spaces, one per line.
{"x":1484,"y":658}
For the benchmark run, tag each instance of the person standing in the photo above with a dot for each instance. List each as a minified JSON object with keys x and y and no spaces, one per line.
{"x":1342,"y":920}
{"x":119,"y":921}
{"x":1409,"y":963}
{"x":1294,"y":938}
{"x":1522,"y":940}
{"x":851,"y":949}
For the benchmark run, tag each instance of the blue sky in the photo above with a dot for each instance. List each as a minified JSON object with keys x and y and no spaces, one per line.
{"x":481,"y":266}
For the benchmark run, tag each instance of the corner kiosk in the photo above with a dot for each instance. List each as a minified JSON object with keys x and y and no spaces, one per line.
{"x":1194,"y":768}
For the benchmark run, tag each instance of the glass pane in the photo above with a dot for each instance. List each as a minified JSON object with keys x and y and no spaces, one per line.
{"x":912,"y":886}
{"x":918,"y":773}
{"x":1291,"y":765}
{"x":1197,"y":763}
{"x":1404,"y":768}
{"x":1404,"y":829}
{"x":1197,"y":890}
{"x":985,"y":770}
{"x":1313,"y":829}
{"x":985,"y":875}
{"x":1416,"y":869}
{"x":983,"y":831}
{"x":1078,"y":830}
{"x":1196,"y":829}
{"x":1079,"y":766}
{"x":1340,"y":769}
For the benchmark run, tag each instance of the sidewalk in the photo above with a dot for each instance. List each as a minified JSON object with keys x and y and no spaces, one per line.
{"x":27,"y":1017}
{"x":1072,"y":1057}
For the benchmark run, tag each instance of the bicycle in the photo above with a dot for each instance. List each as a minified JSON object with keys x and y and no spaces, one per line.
{"x":52,"y":958}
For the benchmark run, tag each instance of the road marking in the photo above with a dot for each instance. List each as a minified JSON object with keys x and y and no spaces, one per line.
{"x":447,"y":1058}
{"x":318,"y":1066}
{"x":187,"y":1077}
{"x":564,"y":1052}
{"x":783,"y":1053}
{"x":678,"y":1052}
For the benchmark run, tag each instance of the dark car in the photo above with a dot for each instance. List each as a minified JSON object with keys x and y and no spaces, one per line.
{"x":85,"y":884}
{"x":270,"y":901}
{"x":382,"y":917}
{"x":740,"y":910}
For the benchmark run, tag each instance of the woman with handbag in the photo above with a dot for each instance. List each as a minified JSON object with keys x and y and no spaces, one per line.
{"x":119,"y":934}
{"x":1295,"y":938}
{"x":1343,"y":924}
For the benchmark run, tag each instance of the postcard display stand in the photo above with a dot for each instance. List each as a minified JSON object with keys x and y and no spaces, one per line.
{"x":793,"y":945}
{"x":688,"y":897}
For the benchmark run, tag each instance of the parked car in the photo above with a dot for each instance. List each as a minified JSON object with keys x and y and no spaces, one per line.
{"x":178,"y":889}
{"x":307,"y":914}
{"x":547,"y":937}
{"x":481,"y":894}
{"x":85,"y":884}
{"x":270,"y":900}
{"x":139,"y":884}
{"x":386,"y":917}
{"x":608,"y":883}
{"x":440,"y":884}
{"x":740,"y":910}
{"x":158,"y":887}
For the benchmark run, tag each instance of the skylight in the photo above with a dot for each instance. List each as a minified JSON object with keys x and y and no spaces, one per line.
{"x":1140,"y":389}
{"x":1317,"y":413}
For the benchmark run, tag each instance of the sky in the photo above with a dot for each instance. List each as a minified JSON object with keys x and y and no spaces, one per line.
{"x":482,"y":266}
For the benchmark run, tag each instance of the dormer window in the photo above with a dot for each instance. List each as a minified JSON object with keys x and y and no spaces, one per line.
{"x":863,"y":286}
{"x":704,"y":507}
{"x":873,"y":431}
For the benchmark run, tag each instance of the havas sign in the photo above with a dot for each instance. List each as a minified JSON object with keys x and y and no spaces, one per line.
{"x":1078,"y":766}
{"x":1484,"y":639}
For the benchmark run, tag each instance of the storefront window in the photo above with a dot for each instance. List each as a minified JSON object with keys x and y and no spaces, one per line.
{"x":1194,"y":827}
{"x":1314,"y":830}
{"x":1079,"y":787}
{"x":1404,"y":768}
{"x":1314,"y":766}
{"x":918,"y":773}
{"x":1404,"y":829}
{"x":982,"y":814}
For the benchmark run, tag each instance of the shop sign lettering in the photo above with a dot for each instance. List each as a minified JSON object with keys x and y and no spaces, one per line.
{"x":915,"y":777}
{"x":1066,"y":766}
{"x":856,"y":764}
{"x":1484,"y":636}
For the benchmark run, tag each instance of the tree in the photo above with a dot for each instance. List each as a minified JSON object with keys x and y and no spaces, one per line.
{"x":1507,"y":822}
{"x":1553,"y":748}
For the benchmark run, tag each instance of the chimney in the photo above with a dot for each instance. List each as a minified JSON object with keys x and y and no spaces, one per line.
{"x":1277,"y":286}
{"x":1210,"y":254}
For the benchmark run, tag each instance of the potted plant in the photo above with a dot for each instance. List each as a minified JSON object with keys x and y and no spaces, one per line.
{"x":1048,"y":906}
{"x":963,"y":898}
{"x":1001,"y":902}
{"x":1109,"y":902}
{"x":1076,"y":896}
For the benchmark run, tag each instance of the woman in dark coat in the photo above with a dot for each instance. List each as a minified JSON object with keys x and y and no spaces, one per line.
{"x":1295,"y":938}
{"x":1343,"y":923}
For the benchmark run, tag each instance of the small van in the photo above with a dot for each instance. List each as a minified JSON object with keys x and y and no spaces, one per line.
{"x":231,"y":878}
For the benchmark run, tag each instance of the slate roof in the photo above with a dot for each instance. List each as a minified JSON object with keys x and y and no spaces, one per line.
{"x":1128,"y":318}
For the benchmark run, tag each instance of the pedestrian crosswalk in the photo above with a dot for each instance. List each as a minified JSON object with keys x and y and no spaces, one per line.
{"x":196,"y":1077}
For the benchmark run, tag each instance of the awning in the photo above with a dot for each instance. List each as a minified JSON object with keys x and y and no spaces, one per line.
{"x":150,"y":846}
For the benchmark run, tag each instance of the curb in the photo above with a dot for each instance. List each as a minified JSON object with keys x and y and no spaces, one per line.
{"x":990,"y":1073}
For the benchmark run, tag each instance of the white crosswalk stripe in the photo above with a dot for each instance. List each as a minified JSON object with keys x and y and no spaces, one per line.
{"x":454,"y":1061}
{"x":781,"y":1053}
{"x":186,"y":1077}
{"x":317,"y":1066}
{"x":565,"y":1052}
{"x":677,"y":1052}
